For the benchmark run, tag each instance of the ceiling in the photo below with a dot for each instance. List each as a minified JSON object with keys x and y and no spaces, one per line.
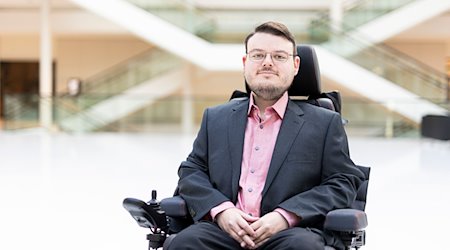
{"x":7,"y":4}
{"x":25,"y":15}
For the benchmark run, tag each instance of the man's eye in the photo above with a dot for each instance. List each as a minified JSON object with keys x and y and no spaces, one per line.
{"x":279,"y":57}
{"x":258,"y":56}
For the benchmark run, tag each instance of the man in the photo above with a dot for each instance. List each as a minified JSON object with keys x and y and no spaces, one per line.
{"x":264,"y":171}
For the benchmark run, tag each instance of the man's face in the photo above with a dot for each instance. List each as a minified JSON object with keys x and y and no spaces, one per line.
{"x":269,"y":77}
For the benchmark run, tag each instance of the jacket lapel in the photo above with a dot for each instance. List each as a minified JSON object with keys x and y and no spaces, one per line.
{"x":236,"y":132}
{"x":290,"y":127}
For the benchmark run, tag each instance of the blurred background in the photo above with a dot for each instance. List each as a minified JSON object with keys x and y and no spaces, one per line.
{"x":100,"y":100}
{"x":149,"y":65}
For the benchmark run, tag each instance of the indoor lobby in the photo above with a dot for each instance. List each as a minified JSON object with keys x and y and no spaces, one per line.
{"x":100,"y":101}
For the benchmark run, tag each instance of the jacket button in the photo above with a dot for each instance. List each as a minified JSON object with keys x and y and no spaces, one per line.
{"x":192,"y":212}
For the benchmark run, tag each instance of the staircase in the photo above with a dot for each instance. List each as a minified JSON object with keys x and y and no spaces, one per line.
{"x":374,"y":87}
{"x":121,"y":90}
{"x":120,"y":105}
{"x":167,"y":36}
{"x":393,"y":65}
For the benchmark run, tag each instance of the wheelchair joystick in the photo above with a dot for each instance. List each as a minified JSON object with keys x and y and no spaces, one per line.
{"x":149,"y":215}
{"x":153,"y":202}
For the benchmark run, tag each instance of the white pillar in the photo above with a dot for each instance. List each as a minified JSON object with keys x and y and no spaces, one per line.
{"x":336,"y":13}
{"x":389,"y":126}
{"x":45,"y":67}
{"x":187,"y":119}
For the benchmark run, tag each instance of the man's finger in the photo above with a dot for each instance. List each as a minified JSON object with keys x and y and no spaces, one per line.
{"x":235,"y":236}
{"x":261,"y":236}
{"x":246,"y":229}
{"x":249,"y":218}
{"x":261,"y":243}
{"x":247,"y":242}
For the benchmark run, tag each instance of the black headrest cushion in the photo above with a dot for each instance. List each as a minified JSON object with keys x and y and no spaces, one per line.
{"x":307,"y":80}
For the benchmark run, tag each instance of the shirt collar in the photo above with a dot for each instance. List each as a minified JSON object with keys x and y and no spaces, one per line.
{"x":279,"y":107}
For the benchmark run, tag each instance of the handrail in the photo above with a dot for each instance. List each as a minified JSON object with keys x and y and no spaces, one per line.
{"x":19,"y":109}
{"x":409,"y":58}
{"x":387,"y":50}
{"x":360,"y":5}
{"x":113,"y":68}
{"x":121,"y":66}
{"x":31,"y":113}
{"x":65,"y":107}
{"x":192,"y":20}
{"x":405,"y":63}
{"x":127,"y":74}
{"x":323,"y":19}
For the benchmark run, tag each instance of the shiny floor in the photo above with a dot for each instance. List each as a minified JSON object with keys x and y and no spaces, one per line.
{"x":60,"y":191}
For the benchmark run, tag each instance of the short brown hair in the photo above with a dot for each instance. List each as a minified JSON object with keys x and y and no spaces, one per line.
{"x":276,"y":29}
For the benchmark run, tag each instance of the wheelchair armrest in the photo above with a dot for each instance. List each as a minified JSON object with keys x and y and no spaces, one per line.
{"x":348,"y":225}
{"x":178,"y":216}
{"x":174,"y":206}
{"x":346,"y":220}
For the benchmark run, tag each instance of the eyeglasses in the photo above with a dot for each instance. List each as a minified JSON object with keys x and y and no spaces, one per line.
{"x":259,"y":56}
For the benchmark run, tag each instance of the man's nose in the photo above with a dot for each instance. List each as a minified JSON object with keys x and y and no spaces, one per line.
{"x":267,"y":60}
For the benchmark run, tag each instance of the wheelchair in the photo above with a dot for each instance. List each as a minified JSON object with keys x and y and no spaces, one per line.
{"x":170,"y":216}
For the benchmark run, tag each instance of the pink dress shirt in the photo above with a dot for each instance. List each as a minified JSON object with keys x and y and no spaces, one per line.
{"x":259,"y":143}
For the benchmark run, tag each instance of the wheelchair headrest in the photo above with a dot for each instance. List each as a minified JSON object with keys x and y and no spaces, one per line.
{"x":307,"y":80}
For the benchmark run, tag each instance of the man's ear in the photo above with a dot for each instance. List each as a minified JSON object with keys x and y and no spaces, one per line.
{"x":297,"y":63}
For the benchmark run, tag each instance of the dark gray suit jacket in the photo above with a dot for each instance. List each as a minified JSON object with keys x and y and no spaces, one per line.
{"x":310,"y":174}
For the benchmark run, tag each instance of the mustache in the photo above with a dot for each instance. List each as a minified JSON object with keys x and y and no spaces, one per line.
{"x":267,"y":70}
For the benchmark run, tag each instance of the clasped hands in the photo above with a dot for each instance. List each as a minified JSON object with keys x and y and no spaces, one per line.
{"x":251,"y":232}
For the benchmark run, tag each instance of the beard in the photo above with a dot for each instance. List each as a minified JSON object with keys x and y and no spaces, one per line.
{"x":268,"y":92}
{"x":268,"y":89}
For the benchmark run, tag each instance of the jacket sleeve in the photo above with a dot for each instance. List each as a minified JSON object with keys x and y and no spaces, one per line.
{"x":194,"y":184}
{"x":339,"y":180}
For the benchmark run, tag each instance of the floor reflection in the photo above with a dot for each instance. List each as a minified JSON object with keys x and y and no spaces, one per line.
{"x":65,"y":191}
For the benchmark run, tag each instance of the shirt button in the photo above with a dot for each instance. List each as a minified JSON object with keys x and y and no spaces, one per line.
{"x":250,"y":190}
{"x":261,"y":126}
{"x":256,"y":148}
{"x":252,"y":171}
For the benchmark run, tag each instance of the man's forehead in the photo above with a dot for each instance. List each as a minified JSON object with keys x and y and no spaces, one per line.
{"x":268,"y":41}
